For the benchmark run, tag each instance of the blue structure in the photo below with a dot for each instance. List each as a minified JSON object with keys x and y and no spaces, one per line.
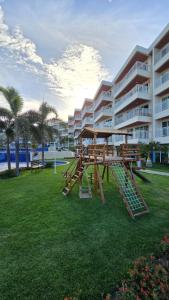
{"x":22,"y":156}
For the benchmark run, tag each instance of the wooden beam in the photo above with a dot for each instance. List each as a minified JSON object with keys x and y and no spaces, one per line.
{"x":100,"y":185}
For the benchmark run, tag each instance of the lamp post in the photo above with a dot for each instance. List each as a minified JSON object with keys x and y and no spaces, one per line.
{"x":55,"y":158}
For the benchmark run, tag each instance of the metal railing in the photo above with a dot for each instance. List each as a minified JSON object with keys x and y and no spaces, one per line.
{"x":87,"y":109}
{"x":138,"y":88}
{"x":137,"y":66}
{"x":104,"y":124}
{"x":140,"y":134}
{"x":161,"y":54}
{"x":162,"y":79}
{"x":137,"y":112}
{"x":105,"y":111}
{"x":87,"y":120}
{"x":78,"y":126}
{"x":162,"y":106}
{"x":103,"y":96}
{"x":162,"y":132}
{"x":77,"y":117}
{"x":136,"y":134}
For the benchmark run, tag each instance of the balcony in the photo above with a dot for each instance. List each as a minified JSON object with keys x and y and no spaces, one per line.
{"x":139,"y":136}
{"x":104,"y":125}
{"x":63,"y":133}
{"x":77,"y":117}
{"x":87,"y":111}
{"x":88,"y":121}
{"x":78,"y":126}
{"x":133,"y":117}
{"x":162,"y":59}
{"x":162,"y":109}
{"x":103,"y":99}
{"x":140,"y":70}
{"x":103,"y":114}
{"x":140,"y":91}
{"x":162,"y":135}
{"x":162,"y":84}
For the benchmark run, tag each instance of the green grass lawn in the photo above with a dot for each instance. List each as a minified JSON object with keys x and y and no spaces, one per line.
{"x":52,"y":246}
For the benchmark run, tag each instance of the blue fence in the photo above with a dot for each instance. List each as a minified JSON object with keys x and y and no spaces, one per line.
{"x":22,"y":156}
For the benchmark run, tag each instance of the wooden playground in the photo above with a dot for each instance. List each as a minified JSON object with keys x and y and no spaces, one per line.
{"x":106,"y":161}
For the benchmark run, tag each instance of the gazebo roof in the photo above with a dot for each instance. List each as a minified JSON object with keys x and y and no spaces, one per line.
{"x":90,"y":132}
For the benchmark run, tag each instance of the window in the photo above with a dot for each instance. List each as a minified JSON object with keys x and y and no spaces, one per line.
{"x":165,"y":128}
{"x":165,"y":103}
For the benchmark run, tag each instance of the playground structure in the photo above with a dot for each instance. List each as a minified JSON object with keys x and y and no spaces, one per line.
{"x":104,"y":159}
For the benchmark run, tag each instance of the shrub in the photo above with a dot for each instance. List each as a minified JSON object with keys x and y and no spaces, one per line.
{"x":8,"y":174}
{"x":149,"y":277}
{"x":49,"y":164}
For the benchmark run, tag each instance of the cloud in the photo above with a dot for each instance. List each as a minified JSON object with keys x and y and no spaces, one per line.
{"x":79,"y":38}
{"x":22,"y":49}
{"x":76,"y":74}
{"x":30,"y":103}
{"x":71,"y":78}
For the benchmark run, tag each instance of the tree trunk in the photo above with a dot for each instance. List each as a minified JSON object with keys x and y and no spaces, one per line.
{"x":17,"y":156}
{"x":43,"y":154}
{"x":27,"y":155}
{"x":17,"y":148}
{"x":8,"y":154}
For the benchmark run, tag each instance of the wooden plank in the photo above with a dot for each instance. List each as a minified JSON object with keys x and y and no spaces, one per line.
{"x":100,"y":185}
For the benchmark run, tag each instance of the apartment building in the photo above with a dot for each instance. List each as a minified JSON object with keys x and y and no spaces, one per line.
{"x":138,"y":97}
{"x":61,"y":135}
{"x":133,"y":97}
{"x":102,"y":105}
{"x":87,"y":113}
{"x":77,"y":124}
{"x":159,"y":51}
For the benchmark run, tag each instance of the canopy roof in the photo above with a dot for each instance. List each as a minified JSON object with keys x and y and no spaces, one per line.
{"x":90,"y":132}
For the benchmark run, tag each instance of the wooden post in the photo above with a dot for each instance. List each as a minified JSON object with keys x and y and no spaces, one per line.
{"x":126,"y":139}
{"x":107,"y":173}
{"x":95,"y":166}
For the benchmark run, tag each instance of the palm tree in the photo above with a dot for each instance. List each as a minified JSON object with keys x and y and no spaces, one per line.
{"x":40,"y":128}
{"x":7,"y":126}
{"x":25,"y":133}
{"x":15,"y":103}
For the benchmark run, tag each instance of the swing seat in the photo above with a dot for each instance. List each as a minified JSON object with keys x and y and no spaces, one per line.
{"x":85,"y":192}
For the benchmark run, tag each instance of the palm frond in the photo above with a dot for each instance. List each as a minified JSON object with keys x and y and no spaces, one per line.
{"x":13,"y":98}
{"x":33,"y":116}
{"x":5,"y":113}
{"x":45,"y":110}
{"x":2,"y":125}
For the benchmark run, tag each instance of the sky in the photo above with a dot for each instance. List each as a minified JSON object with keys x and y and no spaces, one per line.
{"x":59,"y":50}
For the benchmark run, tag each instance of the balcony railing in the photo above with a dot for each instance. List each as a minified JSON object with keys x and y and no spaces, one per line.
{"x":137,"y":66}
{"x":77,"y":117}
{"x":162,"y":106}
{"x":103,"y":96}
{"x":161,"y":54}
{"x":138,"y":112}
{"x":162,"y":79}
{"x":77,"y":126}
{"x":106,"y":111}
{"x":138,"y":135}
{"x":104,"y":124}
{"x":162,"y":132}
{"x":87,"y":120}
{"x":139,"y":88}
{"x":87,"y":109}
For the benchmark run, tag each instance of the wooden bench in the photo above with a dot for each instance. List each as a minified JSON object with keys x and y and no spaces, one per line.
{"x":36,"y":165}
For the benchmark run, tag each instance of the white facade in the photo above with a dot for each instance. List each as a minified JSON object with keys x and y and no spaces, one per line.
{"x":137,"y":99}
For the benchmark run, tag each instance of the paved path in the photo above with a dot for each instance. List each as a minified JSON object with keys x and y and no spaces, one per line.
{"x":4,"y":166}
{"x":155,"y":172}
